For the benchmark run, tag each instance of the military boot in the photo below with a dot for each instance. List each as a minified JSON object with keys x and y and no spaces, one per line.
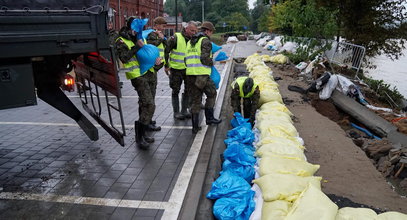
{"x":175,"y":107}
{"x":139,"y":130}
{"x":210,"y":119}
{"x":185,"y":106}
{"x":153,"y":127}
{"x":195,"y":123}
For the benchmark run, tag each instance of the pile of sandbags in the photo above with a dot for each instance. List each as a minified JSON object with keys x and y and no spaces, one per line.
{"x":285,"y":186}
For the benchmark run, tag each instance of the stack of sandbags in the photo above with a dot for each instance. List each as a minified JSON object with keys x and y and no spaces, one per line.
{"x":285,"y":185}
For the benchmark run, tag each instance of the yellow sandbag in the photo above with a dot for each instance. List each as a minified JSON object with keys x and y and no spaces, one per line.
{"x":392,"y":216}
{"x":280,"y":141}
{"x":312,"y":204}
{"x":349,"y":213}
{"x":277,"y":164}
{"x":273,"y":115}
{"x":276,"y":210}
{"x":273,"y":128}
{"x":252,"y":57}
{"x":280,"y":58}
{"x":285,"y":186}
{"x":264,"y":85}
{"x":282,"y":150}
{"x":271,"y":106}
{"x":269,"y":96}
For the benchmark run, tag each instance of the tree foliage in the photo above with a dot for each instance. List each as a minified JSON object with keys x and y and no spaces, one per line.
{"x":378,"y":25}
{"x":236,"y":20}
{"x":216,"y":11}
{"x":303,"y":18}
{"x":259,"y":15}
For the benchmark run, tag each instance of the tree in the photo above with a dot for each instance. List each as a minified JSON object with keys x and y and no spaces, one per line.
{"x":259,"y":16}
{"x":375,"y":24}
{"x":303,"y":18}
{"x":237,"y":21}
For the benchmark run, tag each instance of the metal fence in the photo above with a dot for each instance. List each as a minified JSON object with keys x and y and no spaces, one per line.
{"x":348,"y":54}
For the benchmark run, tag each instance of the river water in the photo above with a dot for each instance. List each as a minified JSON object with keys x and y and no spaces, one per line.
{"x":391,"y":72}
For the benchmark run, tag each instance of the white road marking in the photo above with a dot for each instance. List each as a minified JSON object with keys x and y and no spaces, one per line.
{"x":181,"y":186}
{"x":136,"y":204}
{"x":76,"y":125}
{"x":124,"y":97}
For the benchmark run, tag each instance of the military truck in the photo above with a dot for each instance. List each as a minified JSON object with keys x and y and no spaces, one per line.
{"x":41,"y":41}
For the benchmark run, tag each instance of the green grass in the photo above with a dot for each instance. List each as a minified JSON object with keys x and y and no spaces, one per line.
{"x":217,"y":38}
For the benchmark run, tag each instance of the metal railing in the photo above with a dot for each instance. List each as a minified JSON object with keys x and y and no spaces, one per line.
{"x":347,"y":54}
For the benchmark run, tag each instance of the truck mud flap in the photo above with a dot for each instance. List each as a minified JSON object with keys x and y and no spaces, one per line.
{"x":99,"y":89}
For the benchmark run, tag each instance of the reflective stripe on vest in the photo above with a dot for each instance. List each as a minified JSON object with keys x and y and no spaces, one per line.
{"x":240,"y":82}
{"x":177,"y":55}
{"x":193,"y":60}
{"x":161,"y":49}
{"x":132,"y":67}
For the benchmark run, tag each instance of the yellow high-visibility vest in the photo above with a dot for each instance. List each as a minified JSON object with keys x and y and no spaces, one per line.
{"x":240,"y":82}
{"x":177,"y":55}
{"x":193,"y":60}
{"x":132,"y":67}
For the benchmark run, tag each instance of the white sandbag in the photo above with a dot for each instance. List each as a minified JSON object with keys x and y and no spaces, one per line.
{"x":329,"y":87}
{"x":232,"y":39}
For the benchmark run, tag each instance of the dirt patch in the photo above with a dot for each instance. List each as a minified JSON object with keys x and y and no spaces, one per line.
{"x":327,"y":109}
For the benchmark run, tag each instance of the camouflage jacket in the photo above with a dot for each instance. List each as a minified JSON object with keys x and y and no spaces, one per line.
{"x":123,"y":52}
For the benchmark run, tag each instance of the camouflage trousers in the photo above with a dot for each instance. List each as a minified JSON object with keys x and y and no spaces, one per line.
{"x":199,"y":85}
{"x":176,"y":77}
{"x":145,"y":86}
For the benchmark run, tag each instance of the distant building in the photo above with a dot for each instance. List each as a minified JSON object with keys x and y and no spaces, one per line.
{"x":170,"y":28}
{"x":143,"y":8}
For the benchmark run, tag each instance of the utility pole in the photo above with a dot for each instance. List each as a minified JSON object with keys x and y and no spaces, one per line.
{"x":176,"y":15}
{"x":120,"y":15}
{"x":203,"y":11}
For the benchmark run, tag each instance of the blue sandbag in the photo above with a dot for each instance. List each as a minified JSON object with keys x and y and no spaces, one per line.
{"x":215,"y":76}
{"x":244,"y":171}
{"x":146,"y":57}
{"x":231,"y":141}
{"x":240,"y":153}
{"x":228,"y":185}
{"x":145,"y":33}
{"x":215,"y":47}
{"x":221,"y":56}
{"x":242,"y":134}
{"x":235,"y":208}
{"x":238,"y":120}
{"x":137,"y":25}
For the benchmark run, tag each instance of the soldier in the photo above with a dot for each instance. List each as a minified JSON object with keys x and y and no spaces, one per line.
{"x":157,"y":39}
{"x":176,"y":70}
{"x":199,"y":61}
{"x":245,"y":88}
{"x":127,"y":46}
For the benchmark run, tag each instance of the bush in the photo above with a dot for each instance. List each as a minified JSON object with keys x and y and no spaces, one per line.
{"x":385,"y":93}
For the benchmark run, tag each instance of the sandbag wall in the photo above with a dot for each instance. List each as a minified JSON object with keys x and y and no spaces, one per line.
{"x":285,"y":186}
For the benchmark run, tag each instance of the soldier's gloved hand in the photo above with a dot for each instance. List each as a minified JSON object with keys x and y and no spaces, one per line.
{"x":167,"y":71}
{"x":158,"y":61}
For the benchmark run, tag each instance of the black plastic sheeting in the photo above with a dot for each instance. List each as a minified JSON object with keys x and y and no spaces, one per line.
{"x":50,"y":4}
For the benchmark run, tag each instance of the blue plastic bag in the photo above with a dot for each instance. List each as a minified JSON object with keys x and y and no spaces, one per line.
{"x":145,"y":33}
{"x":240,"y":153}
{"x":238,"y":120}
{"x":244,"y":171}
{"x":235,"y":208}
{"x":228,"y":185}
{"x":215,"y":47}
{"x":138,"y":25}
{"x":146,"y":57}
{"x":242,"y":134}
{"x":221,"y":56}
{"x":215,"y":76}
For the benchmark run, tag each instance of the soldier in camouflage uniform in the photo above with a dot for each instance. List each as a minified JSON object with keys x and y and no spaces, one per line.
{"x":127,"y":46}
{"x":176,"y":70}
{"x":245,"y":88}
{"x":199,"y":61}
{"x":157,"y":39}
